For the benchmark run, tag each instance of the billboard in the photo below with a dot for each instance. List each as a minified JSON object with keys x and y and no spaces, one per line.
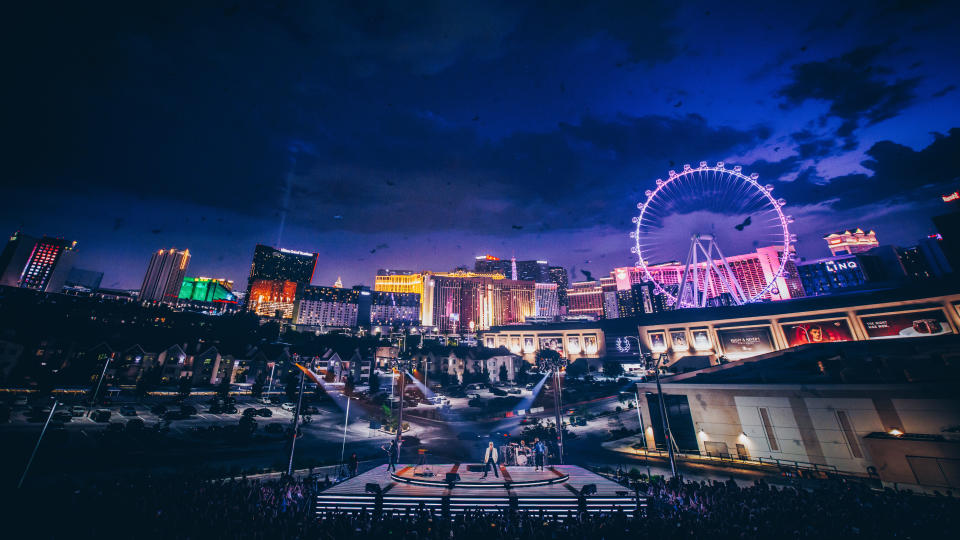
{"x":701,"y":339}
{"x":658,"y":340}
{"x":678,"y":338}
{"x":745,"y":342}
{"x":931,"y":322}
{"x":828,"y":331}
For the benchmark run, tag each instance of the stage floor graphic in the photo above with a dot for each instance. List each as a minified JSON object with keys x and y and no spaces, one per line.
{"x":556,"y":490}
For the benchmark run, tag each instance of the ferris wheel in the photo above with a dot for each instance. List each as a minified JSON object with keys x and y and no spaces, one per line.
{"x":685,"y":220}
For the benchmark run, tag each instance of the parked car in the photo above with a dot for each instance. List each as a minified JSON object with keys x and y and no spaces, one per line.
{"x":476,"y":386}
{"x":265,"y":412}
{"x":100,"y":415}
{"x":170,"y":416}
{"x":128,"y":410}
{"x":473,"y":395}
{"x":250,"y":411}
{"x":514,"y":391}
{"x":61,"y":417}
{"x":497,"y":391}
{"x":309,"y":409}
{"x":77,"y":410}
{"x":288,"y":406}
{"x":229,"y":409}
{"x":531,"y":386}
{"x":215,"y":408}
{"x":158,"y":410}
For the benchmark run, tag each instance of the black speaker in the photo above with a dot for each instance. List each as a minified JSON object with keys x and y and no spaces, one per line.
{"x":452,"y":477}
{"x":372,"y":488}
{"x":589,"y":489}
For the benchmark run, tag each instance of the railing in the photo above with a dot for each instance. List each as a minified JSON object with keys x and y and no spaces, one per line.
{"x":783,"y":464}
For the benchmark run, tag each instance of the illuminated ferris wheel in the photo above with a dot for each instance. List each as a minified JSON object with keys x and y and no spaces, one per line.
{"x":684,"y":221}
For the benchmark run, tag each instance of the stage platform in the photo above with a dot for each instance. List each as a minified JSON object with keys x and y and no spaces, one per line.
{"x":557,"y":490}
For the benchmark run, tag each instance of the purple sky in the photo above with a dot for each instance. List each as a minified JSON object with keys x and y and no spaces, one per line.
{"x":419,"y":139}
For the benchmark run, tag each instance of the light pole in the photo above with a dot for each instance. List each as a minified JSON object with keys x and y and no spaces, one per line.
{"x":343,"y":447}
{"x":270,"y":386}
{"x":643,"y":433}
{"x":93,"y":400}
{"x":401,"y":365}
{"x":37,"y":446}
{"x":296,"y":419}
{"x":664,"y":421}
{"x":555,"y":363}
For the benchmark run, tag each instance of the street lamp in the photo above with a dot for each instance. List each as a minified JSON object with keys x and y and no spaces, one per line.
{"x":401,"y":365}
{"x":555,"y":364}
{"x":664,"y":421}
{"x":93,"y":401}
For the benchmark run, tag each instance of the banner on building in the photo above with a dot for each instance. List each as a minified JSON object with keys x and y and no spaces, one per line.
{"x":745,"y":342}
{"x":931,"y":322}
{"x":828,"y":331}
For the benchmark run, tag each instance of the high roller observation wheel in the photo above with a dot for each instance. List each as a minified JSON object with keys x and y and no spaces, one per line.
{"x":747,"y":186}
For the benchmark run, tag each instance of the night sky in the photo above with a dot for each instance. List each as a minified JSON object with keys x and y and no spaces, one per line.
{"x":398,"y":137}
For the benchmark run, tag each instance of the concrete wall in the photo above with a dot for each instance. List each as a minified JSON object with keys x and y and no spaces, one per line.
{"x":806,"y":420}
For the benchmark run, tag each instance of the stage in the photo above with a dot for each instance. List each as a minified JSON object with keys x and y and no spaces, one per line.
{"x":557,"y":490}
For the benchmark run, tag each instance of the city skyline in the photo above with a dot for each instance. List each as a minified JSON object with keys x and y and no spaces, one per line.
{"x":412,"y":139}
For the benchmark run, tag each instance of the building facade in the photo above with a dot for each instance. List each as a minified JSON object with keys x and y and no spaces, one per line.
{"x":558,"y":276}
{"x":14,"y":258}
{"x":585,"y":298}
{"x":164,"y":276}
{"x":272,"y":298}
{"x":270,"y":271}
{"x":547,"y":303}
{"x":327,"y":306}
{"x":394,"y":309}
{"x":48,"y":265}
{"x":850,"y":242}
{"x":204,"y":289}
{"x":752,"y":270}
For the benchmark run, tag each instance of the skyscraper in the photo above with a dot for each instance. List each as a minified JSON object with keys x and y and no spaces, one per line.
{"x":14,"y":258}
{"x":276,"y":275}
{"x":558,"y":275}
{"x":48,"y":265}
{"x":547,"y":304}
{"x":164,"y":276}
{"x":850,"y":242}
{"x":586,"y":298}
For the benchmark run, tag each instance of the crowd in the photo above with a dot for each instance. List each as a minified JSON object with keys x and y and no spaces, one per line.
{"x":186,"y":506}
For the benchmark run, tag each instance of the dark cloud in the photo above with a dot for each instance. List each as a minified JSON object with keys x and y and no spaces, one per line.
{"x":898,"y":174}
{"x":858,"y":89}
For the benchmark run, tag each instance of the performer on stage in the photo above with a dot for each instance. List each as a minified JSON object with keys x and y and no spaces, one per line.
{"x":490,"y":460}
{"x":539,"y":449}
{"x":354,"y":465}
{"x":392,"y":452}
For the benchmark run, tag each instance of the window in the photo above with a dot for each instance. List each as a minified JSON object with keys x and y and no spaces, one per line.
{"x":849,"y":434}
{"x":768,"y":428}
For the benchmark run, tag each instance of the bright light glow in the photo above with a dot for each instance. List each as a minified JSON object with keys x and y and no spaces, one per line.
{"x":895,"y":432}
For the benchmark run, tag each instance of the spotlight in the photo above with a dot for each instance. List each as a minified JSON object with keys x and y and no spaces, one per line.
{"x":895,"y":432}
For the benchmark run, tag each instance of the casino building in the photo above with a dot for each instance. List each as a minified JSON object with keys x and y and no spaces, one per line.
{"x":276,"y":275}
{"x":711,"y":335}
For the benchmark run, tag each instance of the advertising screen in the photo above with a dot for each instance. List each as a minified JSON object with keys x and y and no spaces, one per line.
{"x":658,"y":340}
{"x":553,"y":343}
{"x":932,"y":322}
{"x":701,"y":339}
{"x":817,"y":332}
{"x":679,"y":340}
{"x":622,"y":345}
{"x":745,"y":342}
